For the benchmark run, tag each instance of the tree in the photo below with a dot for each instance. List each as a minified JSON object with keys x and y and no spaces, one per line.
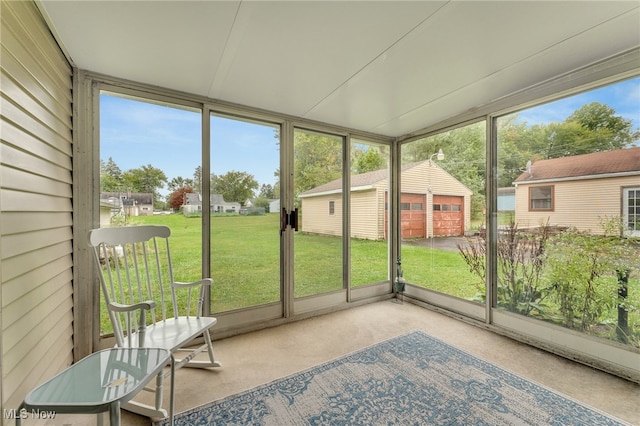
{"x":367,"y":159}
{"x":591,"y":128}
{"x":317,"y":160}
{"x":266,"y":191}
{"x":262,"y":202}
{"x":178,"y":197}
{"x":197,"y":179}
{"x":146,"y":179}
{"x":276,"y":186}
{"x":179,"y":182}
{"x":615,"y":132}
{"x":234,"y":186}
{"x":110,"y":176}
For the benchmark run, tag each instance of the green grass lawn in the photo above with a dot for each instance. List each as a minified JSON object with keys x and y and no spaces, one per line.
{"x":245,"y":261}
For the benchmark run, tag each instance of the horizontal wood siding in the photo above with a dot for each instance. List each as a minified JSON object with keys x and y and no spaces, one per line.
{"x":366,"y":215}
{"x":316,"y":218}
{"x":35,"y":204}
{"x":578,"y":203}
{"x":382,"y":189}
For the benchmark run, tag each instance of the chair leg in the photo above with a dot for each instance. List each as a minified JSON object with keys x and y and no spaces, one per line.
{"x":207,"y":339}
{"x":145,"y":410}
{"x":159,"y":383}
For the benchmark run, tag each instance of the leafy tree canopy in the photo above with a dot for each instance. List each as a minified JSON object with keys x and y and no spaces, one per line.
{"x":179,"y":182}
{"x":144,"y":179}
{"x":110,"y":176}
{"x":234,"y":186}
{"x":317,"y":159}
{"x":179,"y":196}
{"x":367,"y":159}
{"x":266,"y":191}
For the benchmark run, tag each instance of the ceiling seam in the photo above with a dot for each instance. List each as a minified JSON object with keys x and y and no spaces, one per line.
{"x":494,"y":73}
{"x":405,"y":35}
{"x":215,"y":77}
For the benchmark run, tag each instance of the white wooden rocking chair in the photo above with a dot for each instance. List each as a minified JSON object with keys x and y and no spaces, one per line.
{"x":136,"y":275}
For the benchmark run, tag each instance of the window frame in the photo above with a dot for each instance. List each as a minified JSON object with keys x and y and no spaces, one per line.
{"x":625,"y":207}
{"x":551,"y":199}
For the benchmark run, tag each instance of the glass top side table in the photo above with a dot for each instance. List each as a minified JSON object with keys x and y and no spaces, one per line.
{"x":101,"y":382}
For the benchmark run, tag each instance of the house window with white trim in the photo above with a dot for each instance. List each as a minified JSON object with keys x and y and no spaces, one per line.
{"x":541,"y":198}
{"x":631,"y":210}
{"x":332,"y":207}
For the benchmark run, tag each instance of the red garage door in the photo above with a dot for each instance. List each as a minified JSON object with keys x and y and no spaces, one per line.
{"x":448,"y":215}
{"x":413,"y":212}
{"x":413,"y":215}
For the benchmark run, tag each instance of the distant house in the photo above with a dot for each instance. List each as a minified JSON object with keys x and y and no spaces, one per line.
{"x":581,"y":190}
{"x":274,"y":206}
{"x":506,"y":199}
{"x":193,"y":204}
{"x":127,"y":203}
{"x":433,"y":203}
{"x":107,"y":211}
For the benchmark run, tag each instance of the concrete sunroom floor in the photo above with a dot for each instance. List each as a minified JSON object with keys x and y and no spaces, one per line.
{"x":255,"y":358}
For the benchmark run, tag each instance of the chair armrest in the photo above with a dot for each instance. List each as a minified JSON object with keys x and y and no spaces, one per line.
{"x":202,"y":282}
{"x":119,"y":307}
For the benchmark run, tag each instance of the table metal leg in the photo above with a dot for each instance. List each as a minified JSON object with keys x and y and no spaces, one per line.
{"x":19,"y":415}
{"x":172,"y":389}
{"x":114,"y":413}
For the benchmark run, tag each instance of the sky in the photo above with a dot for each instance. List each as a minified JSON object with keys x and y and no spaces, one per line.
{"x":136,"y":133}
{"x":623,"y":97}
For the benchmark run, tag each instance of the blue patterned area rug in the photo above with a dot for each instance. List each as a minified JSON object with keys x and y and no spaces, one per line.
{"x":413,"y":379}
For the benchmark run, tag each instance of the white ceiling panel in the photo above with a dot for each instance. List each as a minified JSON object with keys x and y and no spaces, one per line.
{"x":550,"y":63}
{"x":444,"y":59}
{"x":303,"y":51}
{"x":390,"y":67}
{"x":166,"y":43}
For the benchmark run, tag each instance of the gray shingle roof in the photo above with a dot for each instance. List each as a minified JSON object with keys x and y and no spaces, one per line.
{"x":363,"y":179}
{"x":597,"y":163}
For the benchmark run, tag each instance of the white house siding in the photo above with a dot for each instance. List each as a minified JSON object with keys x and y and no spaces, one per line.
{"x":35,"y":204}
{"x":315,"y":217}
{"x":367,"y":214}
{"x":418,"y":179}
{"x":578,"y":203}
{"x":367,"y":218}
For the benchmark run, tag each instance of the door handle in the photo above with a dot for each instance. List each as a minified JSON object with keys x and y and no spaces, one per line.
{"x":288,"y":219}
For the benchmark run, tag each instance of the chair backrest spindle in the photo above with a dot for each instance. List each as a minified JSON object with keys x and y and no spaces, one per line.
{"x":173,"y":290}
{"x":136,"y":267}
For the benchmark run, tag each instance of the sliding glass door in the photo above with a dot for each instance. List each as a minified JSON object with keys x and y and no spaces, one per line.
{"x":244,"y":205}
{"x":369,"y":212}
{"x":318,"y":196}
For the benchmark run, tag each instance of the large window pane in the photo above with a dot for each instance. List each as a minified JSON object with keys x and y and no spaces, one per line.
{"x":245,"y":213}
{"x":317,"y":184}
{"x":149,"y":154}
{"x":442,"y":212}
{"x":571,"y":255}
{"x":369,"y":212}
